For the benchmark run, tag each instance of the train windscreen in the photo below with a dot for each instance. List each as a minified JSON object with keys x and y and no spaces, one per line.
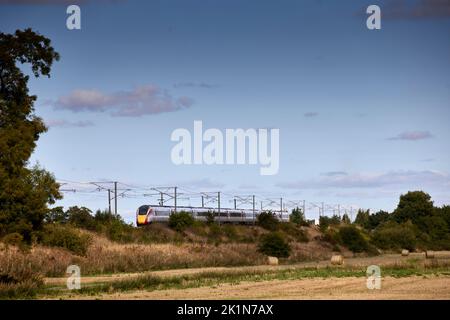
{"x":143,"y":210}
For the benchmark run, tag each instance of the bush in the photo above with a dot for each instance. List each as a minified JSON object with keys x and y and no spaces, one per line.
{"x":215,"y":234}
{"x":268,"y":221}
{"x":351,"y":237}
{"x":15,"y":239}
{"x":325,"y":222}
{"x":294,"y":231}
{"x":274,"y":244}
{"x":298,"y":217}
{"x":332,"y":236}
{"x":65,"y":237}
{"x":179,"y":221}
{"x":81,"y":217}
{"x":113,"y":226}
{"x":396,"y":236}
{"x":210,"y":217}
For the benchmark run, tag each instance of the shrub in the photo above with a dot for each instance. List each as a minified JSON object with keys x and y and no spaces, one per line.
{"x":274,"y":244}
{"x":294,"y":231}
{"x":179,"y":221}
{"x":14,"y":239}
{"x":230,"y":232}
{"x":65,"y":237}
{"x":81,"y":217}
{"x":113,"y":226}
{"x":332,"y":236}
{"x":392,"y":235}
{"x":268,"y":221}
{"x":298,"y":217}
{"x":325,"y":222}
{"x":210,"y":217}
{"x":351,"y":237}
{"x":215,"y":234}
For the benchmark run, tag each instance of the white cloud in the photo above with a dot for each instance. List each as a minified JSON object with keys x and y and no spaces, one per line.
{"x":142,"y":100}
{"x":68,"y":124}
{"x":392,"y":178}
{"x":412,"y":136}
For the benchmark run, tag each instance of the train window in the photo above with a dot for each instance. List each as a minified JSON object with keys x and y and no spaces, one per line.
{"x":143,"y":210}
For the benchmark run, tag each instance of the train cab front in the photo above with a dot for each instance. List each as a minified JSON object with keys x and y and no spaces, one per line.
{"x":143,"y":215}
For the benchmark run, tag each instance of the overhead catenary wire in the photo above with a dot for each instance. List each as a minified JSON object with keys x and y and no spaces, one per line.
{"x":172,"y":195}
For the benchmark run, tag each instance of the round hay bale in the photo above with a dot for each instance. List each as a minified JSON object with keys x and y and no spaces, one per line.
{"x":273,"y":261}
{"x":429,"y":254}
{"x":405,"y":252}
{"x":337,"y":260}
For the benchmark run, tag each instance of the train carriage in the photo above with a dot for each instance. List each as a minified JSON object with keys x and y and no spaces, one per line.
{"x":147,"y":214}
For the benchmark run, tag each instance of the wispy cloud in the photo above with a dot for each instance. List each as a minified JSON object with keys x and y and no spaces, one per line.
{"x":311,"y":114}
{"x":68,"y":124}
{"x":142,"y":100}
{"x":334,"y":173}
{"x":412,"y":136}
{"x":422,"y":178}
{"x":195,"y":85}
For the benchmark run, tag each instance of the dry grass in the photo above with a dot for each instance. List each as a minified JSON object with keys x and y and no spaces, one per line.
{"x":21,"y":271}
{"x":18,"y":276}
{"x":104,"y":256}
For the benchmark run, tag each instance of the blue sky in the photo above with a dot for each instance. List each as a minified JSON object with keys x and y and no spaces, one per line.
{"x":363,"y":114}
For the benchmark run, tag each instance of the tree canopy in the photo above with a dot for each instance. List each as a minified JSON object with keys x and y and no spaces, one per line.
{"x":24,"y":192}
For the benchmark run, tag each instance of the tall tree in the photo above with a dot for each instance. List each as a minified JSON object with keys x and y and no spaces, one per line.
{"x":362,"y":218}
{"x":413,"y":206}
{"x":24,"y":192}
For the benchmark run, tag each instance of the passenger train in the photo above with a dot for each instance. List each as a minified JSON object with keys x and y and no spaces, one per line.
{"x":147,"y":214}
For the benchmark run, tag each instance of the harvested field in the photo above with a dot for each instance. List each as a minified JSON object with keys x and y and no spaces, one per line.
{"x":316,"y":288}
{"x":411,"y":277}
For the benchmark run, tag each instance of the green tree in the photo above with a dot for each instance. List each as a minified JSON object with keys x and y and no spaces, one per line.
{"x":24,"y":192}
{"x":298,"y":217}
{"x":81,"y":217}
{"x":56,"y":215}
{"x":413,"y":206}
{"x":392,"y":235}
{"x":346,"y":219}
{"x":325,"y":222}
{"x":444,"y":213}
{"x":362,"y":218}
{"x":377,"y":219}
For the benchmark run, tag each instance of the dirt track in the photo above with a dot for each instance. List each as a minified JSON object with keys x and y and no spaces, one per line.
{"x":330,"y":288}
